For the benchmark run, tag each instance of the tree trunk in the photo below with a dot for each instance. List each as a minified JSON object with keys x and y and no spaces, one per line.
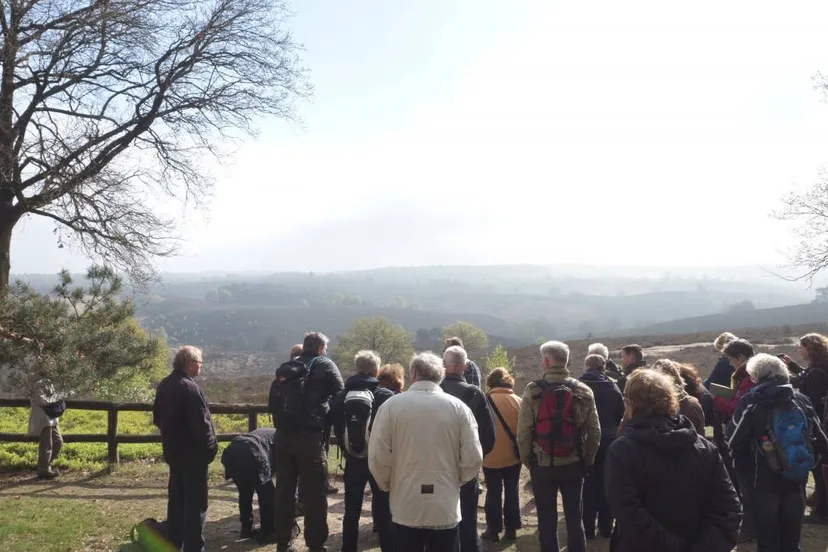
{"x":7,"y":222}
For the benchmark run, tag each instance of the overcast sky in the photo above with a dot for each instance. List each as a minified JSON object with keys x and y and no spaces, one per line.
{"x":507,"y":131}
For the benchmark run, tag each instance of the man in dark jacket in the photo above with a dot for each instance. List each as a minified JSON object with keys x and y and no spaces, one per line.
{"x":632,"y":358}
{"x":455,"y":361}
{"x":248,"y":461}
{"x":471,"y":373}
{"x":666,"y":485}
{"x":355,"y":448}
{"x":610,"y":404}
{"x":188,"y":440}
{"x":778,"y":501}
{"x":300,"y":450}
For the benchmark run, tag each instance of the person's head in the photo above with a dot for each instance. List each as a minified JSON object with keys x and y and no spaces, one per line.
{"x":392,"y":376}
{"x":693,"y":383}
{"x":630,"y":354}
{"x":426,"y":367}
{"x":738,"y":353}
{"x":764,"y":366}
{"x":315,"y":343}
{"x":596,"y":363}
{"x":671,"y":370}
{"x":453,"y":342}
{"x":723,"y":341}
{"x":188,"y":360}
{"x":554,"y":353}
{"x":813,"y":348}
{"x":650,"y":393}
{"x":296,"y":350}
{"x":599,"y":349}
{"x":454,"y":359}
{"x":500,"y":377}
{"x":367,"y":362}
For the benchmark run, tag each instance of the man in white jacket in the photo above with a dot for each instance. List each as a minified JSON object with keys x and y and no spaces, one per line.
{"x":423,"y":447}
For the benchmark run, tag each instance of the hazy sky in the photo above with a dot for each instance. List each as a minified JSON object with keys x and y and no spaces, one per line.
{"x":543,"y":131}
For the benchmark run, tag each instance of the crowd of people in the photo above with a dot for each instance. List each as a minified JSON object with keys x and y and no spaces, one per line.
{"x":626,"y":447}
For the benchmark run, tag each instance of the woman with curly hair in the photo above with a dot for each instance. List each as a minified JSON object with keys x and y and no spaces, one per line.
{"x":689,"y":406}
{"x":694,"y":387}
{"x":813,"y":383}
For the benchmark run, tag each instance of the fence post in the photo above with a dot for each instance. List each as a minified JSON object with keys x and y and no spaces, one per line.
{"x":252,"y":421}
{"x":112,"y":436}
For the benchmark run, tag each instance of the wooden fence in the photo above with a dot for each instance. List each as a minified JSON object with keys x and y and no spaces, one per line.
{"x":111,"y":438}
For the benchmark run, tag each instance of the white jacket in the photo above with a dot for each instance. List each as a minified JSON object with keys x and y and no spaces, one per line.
{"x":42,"y":394}
{"x":423,"y":447}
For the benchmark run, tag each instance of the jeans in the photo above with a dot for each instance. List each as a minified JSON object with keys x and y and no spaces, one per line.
{"x":778,"y":520}
{"x":300,"y":456}
{"x":266,"y":494}
{"x":187,"y":506}
{"x":356,"y":476}
{"x":748,"y":528}
{"x":595,"y":498}
{"x":469,"y":538}
{"x":502,"y":481}
{"x":546,"y":481}
{"x":417,"y":539}
{"x":48,"y":448}
{"x":821,"y":491}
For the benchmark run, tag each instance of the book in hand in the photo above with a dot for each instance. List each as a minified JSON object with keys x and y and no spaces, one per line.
{"x":721,"y":391}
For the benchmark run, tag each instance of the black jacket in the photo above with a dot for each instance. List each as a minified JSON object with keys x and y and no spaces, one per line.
{"x":721,"y":374}
{"x":357,"y":382}
{"x":749,"y":424}
{"x":250,"y":457}
{"x":622,"y":381}
{"x":475,"y":399}
{"x":669,"y":490}
{"x":180,"y":412}
{"x":608,"y":400}
{"x":813,"y":383}
{"x":324,"y":383}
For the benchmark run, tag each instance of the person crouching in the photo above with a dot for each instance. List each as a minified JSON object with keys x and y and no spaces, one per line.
{"x":248,"y":461}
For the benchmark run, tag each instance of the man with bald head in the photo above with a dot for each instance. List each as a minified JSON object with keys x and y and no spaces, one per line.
{"x":296,"y":350}
{"x":188,"y":440}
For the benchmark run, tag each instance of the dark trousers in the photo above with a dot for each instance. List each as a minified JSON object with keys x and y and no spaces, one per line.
{"x":48,"y":448}
{"x":265,"y":493}
{"x":595,"y":498}
{"x":546,"y":482}
{"x":502,"y":510}
{"x":469,"y":538}
{"x":778,"y":520}
{"x":821,"y":508}
{"x":187,"y":506}
{"x":356,"y":476}
{"x":300,"y":456}
{"x":746,"y":494}
{"x":414,"y":539}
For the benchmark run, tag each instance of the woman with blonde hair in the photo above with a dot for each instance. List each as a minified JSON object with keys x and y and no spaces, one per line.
{"x":501,"y":467}
{"x":813,"y":383}
{"x":689,"y":406}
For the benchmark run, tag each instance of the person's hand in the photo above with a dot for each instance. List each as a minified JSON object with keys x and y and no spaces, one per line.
{"x":786,"y":359}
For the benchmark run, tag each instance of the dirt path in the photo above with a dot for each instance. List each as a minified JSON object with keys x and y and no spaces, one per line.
{"x":136,"y":492}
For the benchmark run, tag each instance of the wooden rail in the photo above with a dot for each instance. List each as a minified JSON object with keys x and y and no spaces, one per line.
{"x":111,"y":438}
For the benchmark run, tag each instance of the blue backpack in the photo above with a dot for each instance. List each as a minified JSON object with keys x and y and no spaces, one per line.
{"x":792,"y":454}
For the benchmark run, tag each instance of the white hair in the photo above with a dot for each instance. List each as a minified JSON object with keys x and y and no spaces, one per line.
{"x":426,"y":367}
{"x":367,"y":362}
{"x":455,"y":356}
{"x":598,"y":349}
{"x":723,"y":341}
{"x":764,"y":366}
{"x":556,"y":351}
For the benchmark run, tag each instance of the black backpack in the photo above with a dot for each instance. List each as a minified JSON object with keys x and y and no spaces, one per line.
{"x":357,"y":411}
{"x":287,"y":402}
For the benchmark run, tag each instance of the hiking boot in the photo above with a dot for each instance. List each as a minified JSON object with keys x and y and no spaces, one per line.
{"x":290,"y":547}
{"x":331,"y":489}
{"x":246,"y":530}
{"x":48,"y":475}
{"x":816,"y":519}
{"x":266,"y":537}
{"x":511,"y":535}
{"x":490,"y":536}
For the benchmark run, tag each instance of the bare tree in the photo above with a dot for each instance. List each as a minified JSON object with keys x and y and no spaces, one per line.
{"x":105,"y":103}
{"x":810,"y":211}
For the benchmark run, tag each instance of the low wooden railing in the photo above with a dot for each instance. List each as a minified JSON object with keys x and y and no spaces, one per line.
{"x":112,"y":438}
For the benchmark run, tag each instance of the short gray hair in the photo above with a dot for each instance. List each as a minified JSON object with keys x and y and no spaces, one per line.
{"x":598,"y":349}
{"x":595,"y":362}
{"x":764,"y":366}
{"x":186,"y":354}
{"x":455,"y":356}
{"x":427,"y":367}
{"x":367,"y":362}
{"x":556,"y":351}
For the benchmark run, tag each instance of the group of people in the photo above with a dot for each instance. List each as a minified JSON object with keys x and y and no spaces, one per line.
{"x":625,"y":446}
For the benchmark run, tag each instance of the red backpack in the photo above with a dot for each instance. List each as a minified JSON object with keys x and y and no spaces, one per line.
{"x":556,"y":430}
